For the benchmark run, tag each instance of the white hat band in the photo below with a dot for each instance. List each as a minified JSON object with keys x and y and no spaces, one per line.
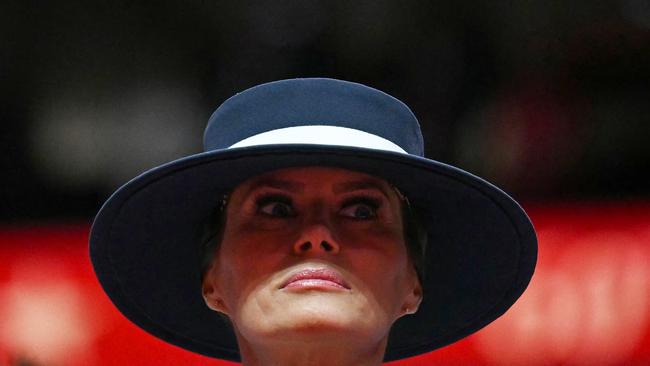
{"x":320,"y":135}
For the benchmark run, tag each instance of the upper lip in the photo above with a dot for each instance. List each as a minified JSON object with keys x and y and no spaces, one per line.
{"x":316,"y":274}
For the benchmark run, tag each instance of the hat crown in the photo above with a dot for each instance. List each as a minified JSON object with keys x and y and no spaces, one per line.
{"x":313,"y":102}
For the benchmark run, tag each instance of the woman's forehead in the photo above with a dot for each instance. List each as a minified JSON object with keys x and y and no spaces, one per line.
{"x":301,"y":179}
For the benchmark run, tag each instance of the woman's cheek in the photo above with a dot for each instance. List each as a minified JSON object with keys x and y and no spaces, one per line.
{"x":371,"y":235}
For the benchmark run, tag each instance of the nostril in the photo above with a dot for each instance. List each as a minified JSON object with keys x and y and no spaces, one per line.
{"x":326,"y":246}
{"x":308,"y":247}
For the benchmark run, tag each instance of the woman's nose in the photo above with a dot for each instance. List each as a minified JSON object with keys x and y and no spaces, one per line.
{"x":316,"y":238}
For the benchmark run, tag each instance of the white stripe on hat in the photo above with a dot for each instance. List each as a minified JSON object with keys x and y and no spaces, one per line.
{"x":321,"y":135}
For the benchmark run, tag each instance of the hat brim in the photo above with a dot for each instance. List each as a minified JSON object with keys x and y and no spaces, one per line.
{"x":145,"y":249}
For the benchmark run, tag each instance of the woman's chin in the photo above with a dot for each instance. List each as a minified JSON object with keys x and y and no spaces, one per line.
{"x":317,"y":315}
{"x":324,"y":315}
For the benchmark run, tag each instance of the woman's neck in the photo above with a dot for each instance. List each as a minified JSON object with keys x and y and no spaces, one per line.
{"x":312,"y":353}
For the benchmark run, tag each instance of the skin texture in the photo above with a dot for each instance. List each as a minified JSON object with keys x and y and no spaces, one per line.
{"x":284,"y":222}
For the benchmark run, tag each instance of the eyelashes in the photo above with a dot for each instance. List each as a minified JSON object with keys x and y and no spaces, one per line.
{"x":358,"y":207}
{"x":275,"y":205}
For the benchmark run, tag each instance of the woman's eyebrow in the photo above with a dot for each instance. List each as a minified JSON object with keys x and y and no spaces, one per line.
{"x":359,"y":185}
{"x":285,"y":185}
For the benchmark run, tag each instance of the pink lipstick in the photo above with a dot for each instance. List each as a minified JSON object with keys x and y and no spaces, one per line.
{"x":316,"y":278}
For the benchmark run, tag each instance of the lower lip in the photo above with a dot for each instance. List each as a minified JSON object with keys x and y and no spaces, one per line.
{"x":314,"y":283}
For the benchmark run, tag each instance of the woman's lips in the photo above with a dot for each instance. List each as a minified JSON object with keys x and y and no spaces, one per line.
{"x":315,"y":278}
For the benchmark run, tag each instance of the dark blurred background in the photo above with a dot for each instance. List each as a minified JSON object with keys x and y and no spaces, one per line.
{"x":547,"y":99}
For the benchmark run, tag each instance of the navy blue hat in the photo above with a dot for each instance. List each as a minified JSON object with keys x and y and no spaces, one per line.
{"x":146,"y":250}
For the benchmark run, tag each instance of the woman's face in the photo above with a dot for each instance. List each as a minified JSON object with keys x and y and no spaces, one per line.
{"x":312,"y":252}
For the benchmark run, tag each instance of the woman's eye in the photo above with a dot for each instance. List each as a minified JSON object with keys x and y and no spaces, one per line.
{"x":360,"y":211}
{"x":277,"y":209}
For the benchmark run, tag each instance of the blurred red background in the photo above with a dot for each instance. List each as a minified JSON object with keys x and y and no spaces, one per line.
{"x":588,"y":303}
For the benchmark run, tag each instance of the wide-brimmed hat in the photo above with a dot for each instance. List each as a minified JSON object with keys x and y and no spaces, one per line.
{"x":146,"y":248}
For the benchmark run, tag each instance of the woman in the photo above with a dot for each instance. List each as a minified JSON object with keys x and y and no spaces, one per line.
{"x":307,"y":231}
